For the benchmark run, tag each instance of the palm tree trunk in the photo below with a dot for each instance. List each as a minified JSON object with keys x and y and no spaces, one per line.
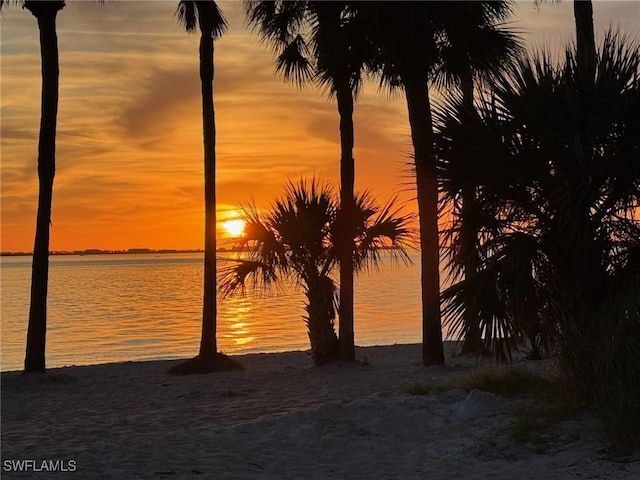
{"x":585,"y":38}
{"x":417,"y":94}
{"x":325,"y":346}
{"x":37,"y":329}
{"x":469,"y":234}
{"x":208,"y":344}
{"x":469,"y":237}
{"x":345,"y":252}
{"x":583,"y":267}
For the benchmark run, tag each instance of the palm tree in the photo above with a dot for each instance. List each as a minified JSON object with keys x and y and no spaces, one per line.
{"x":476,"y":45}
{"x":296,"y":242}
{"x":554,"y":158}
{"x":322,"y":42}
{"x":209,"y":18}
{"x":409,"y":40}
{"x":45,"y":13}
{"x":405,"y":35}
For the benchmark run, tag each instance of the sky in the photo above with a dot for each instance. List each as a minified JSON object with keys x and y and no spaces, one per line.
{"x":129,"y":145}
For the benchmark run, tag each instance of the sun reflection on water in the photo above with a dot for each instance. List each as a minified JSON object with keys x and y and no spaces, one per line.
{"x":238,"y":312}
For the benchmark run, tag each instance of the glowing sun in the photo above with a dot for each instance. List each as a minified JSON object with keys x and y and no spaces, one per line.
{"x":235,"y":228}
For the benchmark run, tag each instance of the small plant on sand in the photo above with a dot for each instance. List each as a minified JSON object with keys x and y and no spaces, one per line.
{"x":507,"y":383}
{"x":535,"y":420}
{"x":512,"y":383}
{"x":297,"y":241}
{"x":614,"y":390}
{"x":420,"y":389}
{"x":545,"y":403}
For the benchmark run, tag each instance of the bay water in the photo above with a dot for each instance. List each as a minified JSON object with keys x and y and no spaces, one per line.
{"x":121,"y":307}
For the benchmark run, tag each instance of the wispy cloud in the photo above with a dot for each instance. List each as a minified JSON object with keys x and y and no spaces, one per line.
{"x":129,"y":151}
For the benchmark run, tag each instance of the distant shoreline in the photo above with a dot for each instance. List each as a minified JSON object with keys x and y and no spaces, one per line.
{"x":130,"y":251}
{"x":133,"y":251}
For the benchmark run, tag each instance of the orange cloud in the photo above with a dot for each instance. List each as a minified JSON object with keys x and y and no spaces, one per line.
{"x":129,"y":151}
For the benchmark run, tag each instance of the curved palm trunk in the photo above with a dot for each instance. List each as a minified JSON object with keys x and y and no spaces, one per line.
{"x":417,"y":94}
{"x":320,"y":314}
{"x":345,"y":252}
{"x":208,"y":343}
{"x":37,"y":329}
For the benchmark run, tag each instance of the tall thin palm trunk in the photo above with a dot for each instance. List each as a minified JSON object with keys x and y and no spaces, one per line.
{"x":585,"y":38}
{"x":208,"y":343}
{"x":37,"y":329}
{"x":419,"y":108}
{"x":207,"y":16}
{"x":344,"y":97}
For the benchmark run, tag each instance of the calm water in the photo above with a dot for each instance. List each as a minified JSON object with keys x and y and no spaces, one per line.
{"x":110,"y":308}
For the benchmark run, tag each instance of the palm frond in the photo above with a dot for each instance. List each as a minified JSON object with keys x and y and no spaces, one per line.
{"x":187,"y":16}
{"x":297,"y":239}
{"x":218,"y":20}
{"x":475,"y":36}
{"x":385,"y":229}
{"x":234,"y":277}
{"x":277,"y":21}
{"x":261,"y":242}
{"x":293,"y":62}
{"x":318,"y":42}
{"x":479,"y":297}
{"x":206,"y":14}
{"x":340,"y":46}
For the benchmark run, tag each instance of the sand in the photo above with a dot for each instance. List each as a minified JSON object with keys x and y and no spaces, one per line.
{"x":283,"y":418}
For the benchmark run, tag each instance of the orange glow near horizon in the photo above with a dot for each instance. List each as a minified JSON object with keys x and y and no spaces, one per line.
{"x":129,"y":139}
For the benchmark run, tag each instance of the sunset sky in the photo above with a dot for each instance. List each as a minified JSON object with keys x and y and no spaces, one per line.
{"x":129,"y":151}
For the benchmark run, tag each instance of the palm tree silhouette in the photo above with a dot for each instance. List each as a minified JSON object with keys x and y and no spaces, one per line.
{"x":405,"y":37}
{"x":207,"y":16}
{"x":416,"y":42}
{"x":554,"y":157}
{"x":297,"y":241}
{"x":323,"y":42}
{"x":45,"y":14}
{"x":477,"y":45}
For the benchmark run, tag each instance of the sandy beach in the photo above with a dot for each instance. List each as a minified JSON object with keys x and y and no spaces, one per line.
{"x":283,"y":418}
